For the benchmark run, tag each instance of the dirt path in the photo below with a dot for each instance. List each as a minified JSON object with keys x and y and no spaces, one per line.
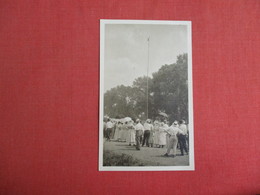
{"x":152,"y":156}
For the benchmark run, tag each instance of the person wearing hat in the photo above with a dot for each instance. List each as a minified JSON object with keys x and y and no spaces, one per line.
{"x":120,"y":134}
{"x":117,"y":131}
{"x":147,"y":130}
{"x":124,"y":132}
{"x":156,"y":133}
{"x":183,"y":137}
{"x":139,"y":131}
{"x":151,"y":140}
{"x":172,"y":131}
{"x":162,"y":134}
{"x":131,"y":133}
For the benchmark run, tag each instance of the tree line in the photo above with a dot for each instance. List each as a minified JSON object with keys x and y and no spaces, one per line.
{"x":167,"y":93}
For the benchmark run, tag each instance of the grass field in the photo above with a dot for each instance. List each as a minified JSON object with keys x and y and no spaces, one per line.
{"x":121,"y":154}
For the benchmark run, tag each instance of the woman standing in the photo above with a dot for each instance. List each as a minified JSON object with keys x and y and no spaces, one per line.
{"x":131,"y":133}
{"x":124,"y":132}
{"x":162,"y":134}
{"x":166,"y":126}
{"x":156,"y":133}
{"x":151,"y":137}
{"x":117,"y":131}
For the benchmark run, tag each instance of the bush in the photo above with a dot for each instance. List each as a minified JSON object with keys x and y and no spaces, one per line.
{"x":112,"y":159}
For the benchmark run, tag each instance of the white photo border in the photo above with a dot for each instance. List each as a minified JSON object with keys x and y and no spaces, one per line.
{"x":191,"y":166}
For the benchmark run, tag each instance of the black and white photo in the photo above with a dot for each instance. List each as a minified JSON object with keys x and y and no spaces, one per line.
{"x":146,"y":108}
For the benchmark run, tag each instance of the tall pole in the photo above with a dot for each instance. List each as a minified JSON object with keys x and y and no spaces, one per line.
{"x":147,"y":95}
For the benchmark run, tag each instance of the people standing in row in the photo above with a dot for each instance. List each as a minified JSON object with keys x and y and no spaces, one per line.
{"x":157,"y":134}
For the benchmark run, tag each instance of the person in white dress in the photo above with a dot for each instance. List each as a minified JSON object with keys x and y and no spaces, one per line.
{"x":162,"y":134}
{"x":151,"y":137}
{"x":131,"y":133}
{"x":167,"y":136}
{"x":124,"y":132}
{"x":156,"y":133}
{"x":117,"y":131}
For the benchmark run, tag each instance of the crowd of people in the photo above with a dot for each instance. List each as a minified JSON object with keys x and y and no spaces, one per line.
{"x":157,"y":133}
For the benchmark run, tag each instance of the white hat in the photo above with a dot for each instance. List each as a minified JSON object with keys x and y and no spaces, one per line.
{"x":175,"y":123}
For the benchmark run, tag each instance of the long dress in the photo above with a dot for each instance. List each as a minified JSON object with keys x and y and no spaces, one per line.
{"x":167,"y":136}
{"x":123,"y":132}
{"x":156,"y":134}
{"x":151,"y":138}
{"x":162,"y":135}
{"x":117,"y":132}
{"x":131,"y":134}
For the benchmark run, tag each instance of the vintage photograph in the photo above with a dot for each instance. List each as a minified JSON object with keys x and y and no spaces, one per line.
{"x":146,"y":110}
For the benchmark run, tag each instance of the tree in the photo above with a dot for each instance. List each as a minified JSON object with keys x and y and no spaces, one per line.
{"x":118,"y":102}
{"x":140,"y":96}
{"x":167,"y":92}
{"x":171,"y":90}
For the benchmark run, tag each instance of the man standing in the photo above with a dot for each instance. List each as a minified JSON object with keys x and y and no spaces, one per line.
{"x":139,"y":130}
{"x":109,"y":127}
{"x":147,"y":129}
{"x":183,"y":137}
{"x":173,"y":140}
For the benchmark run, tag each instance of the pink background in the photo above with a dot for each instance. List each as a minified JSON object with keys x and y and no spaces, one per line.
{"x":49,"y":89}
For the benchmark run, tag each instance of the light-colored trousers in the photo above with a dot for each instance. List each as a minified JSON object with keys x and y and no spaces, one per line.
{"x":172,"y":144}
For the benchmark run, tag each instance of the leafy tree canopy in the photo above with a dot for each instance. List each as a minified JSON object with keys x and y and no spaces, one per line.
{"x":167,"y":92}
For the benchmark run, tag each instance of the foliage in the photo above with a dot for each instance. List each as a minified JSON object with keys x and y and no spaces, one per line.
{"x":171,"y":90}
{"x":118,"y":102}
{"x":112,"y":159}
{"x":167,"y":92}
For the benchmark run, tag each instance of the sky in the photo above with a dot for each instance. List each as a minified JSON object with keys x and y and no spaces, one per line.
{"x":126,"y":50}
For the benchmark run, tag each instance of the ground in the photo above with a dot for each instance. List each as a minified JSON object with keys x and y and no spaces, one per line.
{"x":148,"y":155}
